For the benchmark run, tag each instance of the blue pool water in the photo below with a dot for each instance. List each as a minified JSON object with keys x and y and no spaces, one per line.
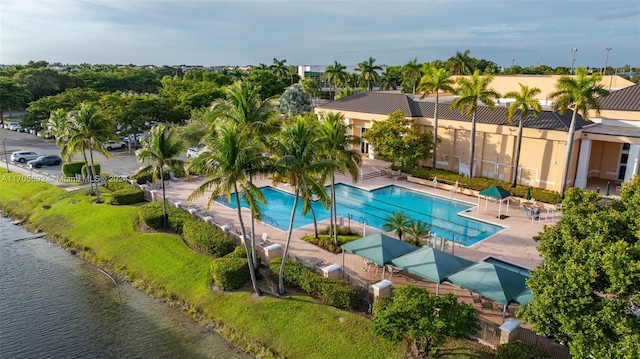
{"x":373,"y":206}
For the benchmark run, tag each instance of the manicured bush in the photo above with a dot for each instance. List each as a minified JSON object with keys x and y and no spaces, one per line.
{"x":72,"y":168}
{"x":151,"y":215}
{"x":207,"y":239}
{"x":240,"y":252}
{"x":86,"y":170}
{"x":230,"y":273}
{"x":116,"y":184}
{"x":148,"y":178}
{"x":127,"y":196}
{"x":335,"y":292}
{"x":517,"y":350}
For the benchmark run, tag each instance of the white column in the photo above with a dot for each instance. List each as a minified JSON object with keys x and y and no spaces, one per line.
{"x":632,"y":162}
{"x":583,"y":163}
{"x":347,"y":121}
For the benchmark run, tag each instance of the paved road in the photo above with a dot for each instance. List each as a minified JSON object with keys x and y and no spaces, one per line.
{"x":121,"y":163}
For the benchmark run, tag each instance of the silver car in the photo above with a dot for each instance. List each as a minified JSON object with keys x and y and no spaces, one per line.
{"x":24,"y":156}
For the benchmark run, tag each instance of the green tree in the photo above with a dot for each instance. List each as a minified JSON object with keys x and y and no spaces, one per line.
{"x":390,"y":78}
{"x":470,"y":91}
{"x":12,"y":96}
{"x":310,"y":86}
{"x":40,"y":82}
{"x":582,"y":92}
{"x":279,"y":69}
{"x":587,"y":289}
{"x":411,"y":74}
{"x":335,"y":74}
{"x":230,"y":159}
{"x":368,"y":71}
{"x":461,"y":63}
{"x":397,"y":222}
{"x":434,"y":81}
{"x":297,"y":152}
{"x":160,"y":152}
{"x":268,"y":83}
{"x":39,"y":110}
{"x":422,"y":320}
{"x":292,"y":74}
{"x":338,"y":146}
{"x":416,"y":232}
{"x":90,"y":129}
{"x":399,"y":140}
{"x":524,"y":100}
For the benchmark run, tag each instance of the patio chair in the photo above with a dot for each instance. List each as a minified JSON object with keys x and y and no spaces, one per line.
{"x":393,"y":270}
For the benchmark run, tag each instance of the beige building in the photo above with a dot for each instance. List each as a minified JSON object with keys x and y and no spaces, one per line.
{"x":606,"y":147}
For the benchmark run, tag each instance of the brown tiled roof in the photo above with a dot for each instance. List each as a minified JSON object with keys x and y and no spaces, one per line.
{"x":384,"y":103}
{"x":627,"y":99}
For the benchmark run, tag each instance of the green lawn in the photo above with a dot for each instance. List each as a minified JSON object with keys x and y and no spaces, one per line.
{"x":160,"y":264}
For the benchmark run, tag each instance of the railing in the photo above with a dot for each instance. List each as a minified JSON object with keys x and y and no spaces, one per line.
{"x":268,"y":219}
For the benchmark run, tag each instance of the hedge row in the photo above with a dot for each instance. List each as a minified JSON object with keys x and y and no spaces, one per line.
{"x":481,"y":183}
{"x":230,"y":273}
{"x":207,"y":239}
{"x":72,"y":168}
{"x":517,"y":350}
{"x":116,"y":184}
{"x":84,"y":170}
{"x":334,"y":292}
{"x":128,"y":196}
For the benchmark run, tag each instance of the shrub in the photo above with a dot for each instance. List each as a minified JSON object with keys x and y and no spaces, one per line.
{"x":517,"y":350}
{"x":73,"y":168}
{"x":128,"y":196}
{"x":207,"y":239}
{"x":148,"y":178}
{"x":335,"y":292}
{"x":86,"y":170}
{"x":230,"y":273}
{"x":151,"y":216}
{"x":116,"y":184}
{"x":240,"y":252}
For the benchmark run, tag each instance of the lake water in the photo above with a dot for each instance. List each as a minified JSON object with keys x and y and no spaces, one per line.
{"x":54,"y":305}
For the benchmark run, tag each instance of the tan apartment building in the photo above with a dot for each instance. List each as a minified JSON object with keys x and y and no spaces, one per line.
{"x":606,"y":147}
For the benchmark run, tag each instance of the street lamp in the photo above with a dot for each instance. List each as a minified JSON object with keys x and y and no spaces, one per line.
{"x":573,"y":59}
{"x":4,"y":149}
{"x":606,"y":59}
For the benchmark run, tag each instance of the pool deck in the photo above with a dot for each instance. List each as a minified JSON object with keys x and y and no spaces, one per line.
{"x":514,"y":244}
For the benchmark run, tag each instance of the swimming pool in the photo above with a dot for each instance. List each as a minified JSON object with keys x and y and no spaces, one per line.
{"x":371,"y":207}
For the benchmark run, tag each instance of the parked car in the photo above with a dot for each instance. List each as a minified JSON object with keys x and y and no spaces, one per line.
{"x":24,"y":156}
{"x":15,"y":127}
{"x":46,"y":160}
{"x":193,"y":152}
{"x":6,"y":125}
{"x":113,"y":145}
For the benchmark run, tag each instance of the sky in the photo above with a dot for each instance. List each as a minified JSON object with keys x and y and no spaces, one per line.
{"x":310,"y":32}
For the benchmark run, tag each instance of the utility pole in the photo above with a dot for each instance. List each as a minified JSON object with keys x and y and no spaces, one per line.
{"x":573,"y":59}
{"x":606,"y":59}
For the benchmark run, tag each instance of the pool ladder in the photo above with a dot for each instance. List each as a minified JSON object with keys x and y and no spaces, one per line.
{"x":270,"y":220}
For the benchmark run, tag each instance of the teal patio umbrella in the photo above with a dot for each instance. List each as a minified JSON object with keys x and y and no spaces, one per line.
{"x":431,"y":264}
{"x":378,"y":248}
{"x":524,"y":297}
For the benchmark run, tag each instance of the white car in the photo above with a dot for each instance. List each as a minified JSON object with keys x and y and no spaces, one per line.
{"x":114,"y":145}
{"x":24,"y":156}
{"x":15,"y":127}
{"x":193,"y":152}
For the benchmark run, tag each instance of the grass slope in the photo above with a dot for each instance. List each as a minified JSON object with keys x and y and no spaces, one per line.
{"x":160,"y":264}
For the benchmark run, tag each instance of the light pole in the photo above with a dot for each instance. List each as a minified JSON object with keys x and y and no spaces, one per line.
{"x":606,"y":59}
{"x":573,"y":59}
{"x":4,"y":149}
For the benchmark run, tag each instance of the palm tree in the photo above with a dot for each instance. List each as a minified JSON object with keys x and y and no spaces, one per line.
{"x":460,"y":63}
{"x":389,"y":79}
{"x":230,"y":159}
{"x":244,"y":108}
{"x":279,"y":68}
{"x":469,"y":92}
{"x":297,"y":150}
{"x":338,"y":146}
{"x":434,"y":81}
{"x":581,"y":92}
{"x":411,"y":73}
{"x":368,"y":71}
{"x":56,"y":124}
{"x":89,"y":129}
{"x":398,"y":222}
{"x":160,"y":151}
{"x":334,"y":74}
{"x":416,"y":231}
{"x":524,"y":100}
{"x":292,"y":72}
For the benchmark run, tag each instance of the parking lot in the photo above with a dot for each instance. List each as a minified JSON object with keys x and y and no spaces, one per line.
{"x":121,"y":163}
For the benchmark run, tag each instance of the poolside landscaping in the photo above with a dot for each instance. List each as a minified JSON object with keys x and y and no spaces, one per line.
{"x":159,"y":263}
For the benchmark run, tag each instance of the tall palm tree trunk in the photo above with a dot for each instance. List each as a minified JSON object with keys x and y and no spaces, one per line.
{"x":252,"y":272}
{"x":334,"y":209}
{"x":286,"y":246}
{"x":517,"y":159}
{"x":93,"y":175}
{"x":472,"y":141}
{"x":567,"y":156}
{"x":86,"y":164}
{"x":165,"y":219}
{"x":315,"y":223}
{"x":435,"y":133}
{"x":254,"y":257}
